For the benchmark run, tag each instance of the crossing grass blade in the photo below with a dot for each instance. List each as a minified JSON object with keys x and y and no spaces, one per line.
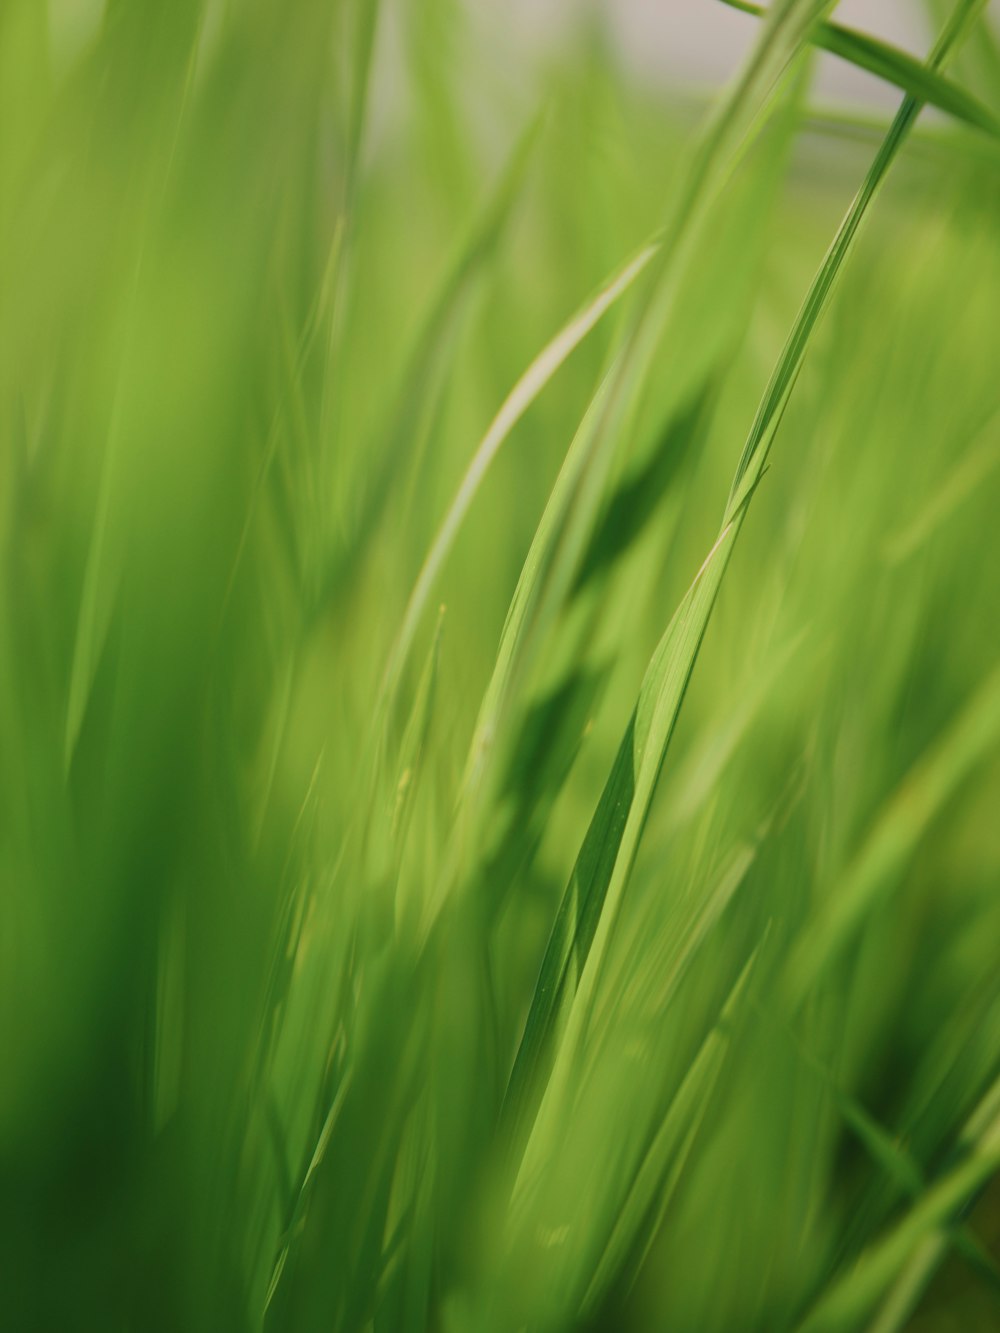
{"x":899,"y":1302}
{"x":901,"y":1171}
{"x":782,"y":381}
{"x":905,"y":1252}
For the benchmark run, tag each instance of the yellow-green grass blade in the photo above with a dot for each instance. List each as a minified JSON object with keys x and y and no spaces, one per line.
{"x":565,"y":529}
{"x":522,"y":395}
{"x":972,"y":469}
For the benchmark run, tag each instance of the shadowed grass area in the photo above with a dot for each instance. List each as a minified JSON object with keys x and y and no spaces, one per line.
{"x":447,"y":881}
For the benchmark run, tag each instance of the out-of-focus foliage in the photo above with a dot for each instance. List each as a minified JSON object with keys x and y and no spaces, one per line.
{"x":359,"y":967}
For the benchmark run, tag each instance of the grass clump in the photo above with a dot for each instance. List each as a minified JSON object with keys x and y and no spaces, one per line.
{"x":614,"y":948}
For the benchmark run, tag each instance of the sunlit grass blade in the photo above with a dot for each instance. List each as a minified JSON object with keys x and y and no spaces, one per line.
{"x":364,"y":46}
{"x":429,"y":352}
{"x":601,"y":870}
{"x":592,"y":901}
{"x":692,"y":783}
{"x":411,"y":750}
{"x":565,"y":527}
{"x":514,"y":406}
{"x":585,"y":900}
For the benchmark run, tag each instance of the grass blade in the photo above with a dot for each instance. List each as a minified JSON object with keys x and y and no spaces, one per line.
{"x":425,"y":358}
{"x":522,"y":395}
{"x":567,"y":523}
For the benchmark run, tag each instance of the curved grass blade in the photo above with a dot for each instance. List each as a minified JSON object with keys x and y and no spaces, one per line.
{"x":581,"y":908}
{"x":429,"y":347}
{"x":596,"y":888}
{"x":522,"y":395}
{"x":894,"y":66}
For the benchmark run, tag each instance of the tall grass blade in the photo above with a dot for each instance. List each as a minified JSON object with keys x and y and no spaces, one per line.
{"x":566,"y":525}
{"x":603,"y":869}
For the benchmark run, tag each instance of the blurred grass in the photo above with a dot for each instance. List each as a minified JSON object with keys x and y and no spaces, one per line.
{"x":282,"y":850}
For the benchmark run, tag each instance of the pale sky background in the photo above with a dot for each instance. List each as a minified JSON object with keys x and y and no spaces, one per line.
{"x":697,"y":44}
{"x":700,"y":43}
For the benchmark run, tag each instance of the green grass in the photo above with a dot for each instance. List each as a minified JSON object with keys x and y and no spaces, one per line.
{"x":499,"y":697}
